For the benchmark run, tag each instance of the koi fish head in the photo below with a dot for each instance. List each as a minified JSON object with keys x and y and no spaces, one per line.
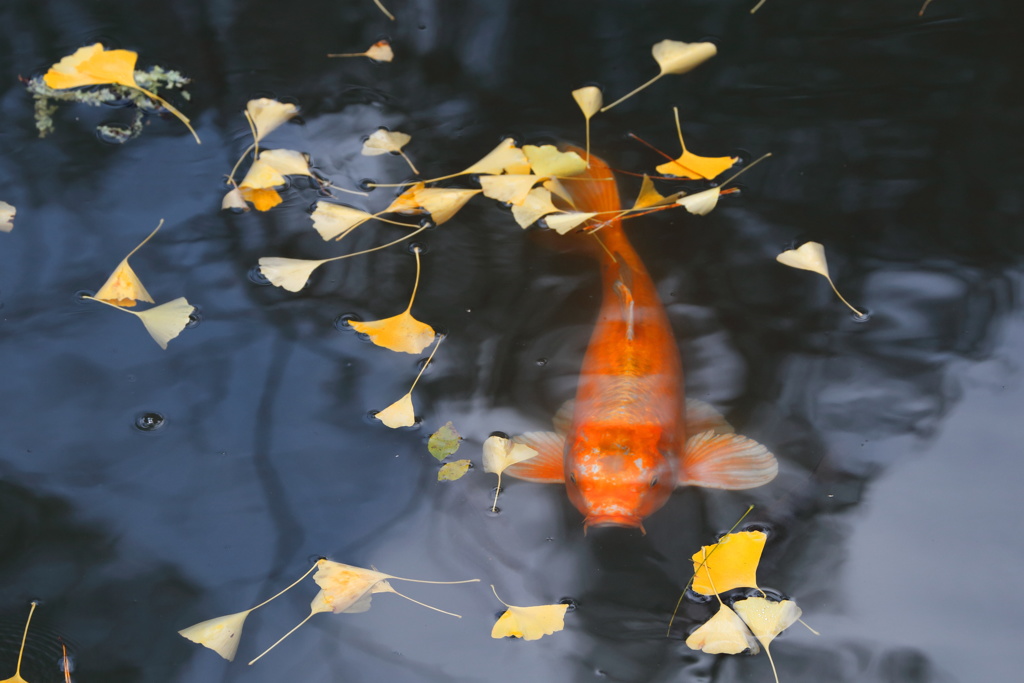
{"x":617,"y":477}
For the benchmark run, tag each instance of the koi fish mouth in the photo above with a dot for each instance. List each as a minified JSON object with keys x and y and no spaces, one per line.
{"x":631,"y":521}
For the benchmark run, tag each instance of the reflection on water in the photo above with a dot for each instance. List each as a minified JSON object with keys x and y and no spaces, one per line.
{"x":893,"y":145}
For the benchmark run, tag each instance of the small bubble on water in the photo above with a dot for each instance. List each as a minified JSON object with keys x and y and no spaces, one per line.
{"x":763,"y":527}
{"x":493,"y":512}
{"x":427,"y":223}
{"x":570,"y":604}
{"x":148,"y":422}
{"x":418,"y":247}
{"x":864,"y":317}
{"x":80,"y":296}
{"x":542,"y":361}
{"x":313,"y":559}
{"x":195,"y":317}
{"x":367,"y":185}
{"x":256,"y":276}
{"x":341,"y":323}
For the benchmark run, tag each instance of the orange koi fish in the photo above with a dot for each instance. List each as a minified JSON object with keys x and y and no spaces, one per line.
{"x":630,"y":437}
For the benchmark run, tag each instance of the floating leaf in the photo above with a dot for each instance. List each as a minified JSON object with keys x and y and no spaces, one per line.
{"x":92,"y":65}
{"x":7,"y":212}
{"x":501,"y":453}
{"x":16,"y":678}
{"x":289,"y":273}
{"x":537,"y":205}
{"x":528,"y":623}
{"x":401,"y":413}
{"x":379,"y":52}
{"x":811,"y":256}
{"x":548,"y":162}
{"x":767,"y":619}
{"x":567,"y":221}
{"x":123,"y":287}
{"x":266,"y":114}
{"x":234,"y":199}
{"x":401,"y":332}
{"x":263,"y":199}
{"x":345,"y":588}
{"x":450,"y":471}
{"x":270,"y":169}
{"x":691,"y":166}
{"x":673,"y":57}
{"x":440,"y":202}
{"x":589,"y":99}
{"x":166,"y":321}
{"x":505,"y":158}
{"x":730,"y":563}
{"x":511,"y":188}
{"x":650,"y":197}
{"x":723,"y":634}
{"x":444,"y":442}
{"x":384,"y":141}
{"x":334,"y":221}
{"x":220,"y":634}
{"x":701,"y":203}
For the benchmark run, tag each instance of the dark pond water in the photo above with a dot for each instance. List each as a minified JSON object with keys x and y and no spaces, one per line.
{"x":894,"y":521}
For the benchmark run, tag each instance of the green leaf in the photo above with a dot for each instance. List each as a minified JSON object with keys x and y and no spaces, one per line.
{"x":450,"y":471}
{"x":444,"y":442}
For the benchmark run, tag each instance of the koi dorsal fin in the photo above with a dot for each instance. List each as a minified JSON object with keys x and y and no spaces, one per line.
{"x":548,"y":466}
{"x":725,"y":461}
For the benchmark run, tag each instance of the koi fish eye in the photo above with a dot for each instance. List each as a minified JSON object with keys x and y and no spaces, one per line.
{"x":654,"y":481}
{"x":572,"y":477}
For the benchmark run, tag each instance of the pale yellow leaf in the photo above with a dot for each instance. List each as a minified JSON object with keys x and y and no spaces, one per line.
{"x":440,"y":202}
{"x":384,"y":141}
{"x":675,"y":57}
{"x":723,"y":634}
{"x":565,"y":222}
{"x":334,"y":221}
{"x":234,"y":200}
{"x":547,"y":162}
{"x":288,"y":273}
{"x":267,"y":114}
{"x":649,"y":196}
{"x":450,"y":471}
{"x":123,"y":287}
{"x":399,"y":414}
{"x":220,"y":634}
{"x":589,"y":100}
{"x":700,"y":203}
{"x":556,"y":188}
{"x":500,"y":453}
{"x":537,"y":204}
{"x":511,"y":188}
{"x":166,"y":321}
{"x":808,"y":256}
{"x":380,"y":51}
{"x":767,"y":619}
{"x":505,"y":158}
{"x":530,"y":623}
{"x":7,"y":212}
{"x":272,"y":166}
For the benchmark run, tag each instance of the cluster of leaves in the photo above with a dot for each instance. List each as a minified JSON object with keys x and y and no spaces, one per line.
{"x":97,"y":76}
{"x":744,"y":622}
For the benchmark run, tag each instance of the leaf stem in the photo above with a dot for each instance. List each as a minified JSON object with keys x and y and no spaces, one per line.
{"x":294,"y":584}
{"x":159,"y":225}
{"x":626,"y":97}
{"x":293,"y":630}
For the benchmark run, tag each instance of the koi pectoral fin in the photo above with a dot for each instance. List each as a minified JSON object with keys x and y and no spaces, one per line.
{"x":547,"y":467}
{"x":726,"y":461}
{"x":702,"y":417}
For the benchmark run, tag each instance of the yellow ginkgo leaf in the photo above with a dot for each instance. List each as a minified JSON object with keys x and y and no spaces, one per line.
{"x":288,"y":273}
{"x":589,"y":99}
{"x":401,"y":332}
{"x":7,"y":212}
{"x":262,"y":199}
{"x":401,"y":413}
{"x":442,"y":203}
{"x":345,"y":588}
{"x":767,"y":619}
{"x":16,"y":678}
{"x":557,"y":189}
{"x":379,"y":52}
{"x":384,"y":141}
{"x":220,"y":634}
{"x":649,"y":196}
{"x":811,"y":256}
{"x":501,"y":453}
{"x":450,"y":471}
{"x":528,"y":623}
{"x":537,"y":205}
{"x":270,"y":169}
{"x":548,"y":162}
{"x":234,"y":200}
{"x":565,"y":222}
{"x":92,"y":65}
{"x":123,"y":287}
{"x":166,"y":321}
{"x":673,"y":57}
{"x":505,"y":158}
{"x":267,"y":114}
{"x":510,"y":188}
{"x":701,"y":203}
{"x":723,"y":634}
{"x":334,"y":221}
{"x":691,"y":166}
{"x":730,"y":563}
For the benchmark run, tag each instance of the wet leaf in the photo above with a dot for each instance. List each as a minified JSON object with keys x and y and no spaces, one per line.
{"x":691,"y":166}
{"x":650,"y":197}
{"x":262,"y":199}
{"x":384,"y":141}
{"x":266,"y":115}
{"x":450,"y":471}
{"x":767,"y":620}
{"x":220,"y":634}
{"x":589,"y":99}
{"x":92,"y":65}
{"x":537,"y":205}
{"x":289,"y":273}
{"x":673,"y":57}
{"x":500,"y":453}
{"x":725,"y":633}
{"x":379,"y":52}
{"x":166,"y":321}
{"x":528,"y":623}
{"x":505,"y":158}
{"x":440,"y":202}
{"x":16,"y":678}
{"x":270,"y":169}
{"x":334,"y":221}
{"x":701,"y":203}
{"x":730,"y":563}
{"x":345,"y":588}
{"x":7,"y":212}
{"x":547,"y":162}
{"x":565,"y":222}
{"x":811,"y":256}
{"x":402,"y":332}
{"x":510,"y":189}
{"x":123,"y":287}
{"x":401,"y":413}
{"x":444,"y":442}
{"x":234,"y":199}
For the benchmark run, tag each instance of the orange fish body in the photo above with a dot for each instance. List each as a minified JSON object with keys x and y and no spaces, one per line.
{"x":627,"y":445}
